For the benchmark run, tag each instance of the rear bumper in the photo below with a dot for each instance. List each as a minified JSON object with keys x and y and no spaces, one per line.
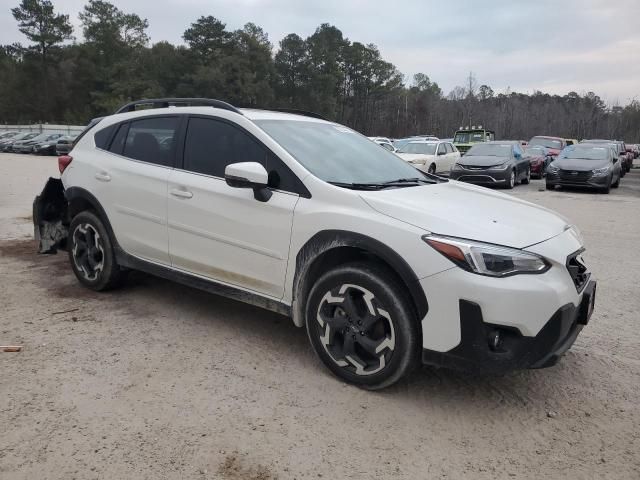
{"x":496,"y":349}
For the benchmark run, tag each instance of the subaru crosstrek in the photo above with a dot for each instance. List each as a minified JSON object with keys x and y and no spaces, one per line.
{"x":384,"y":265}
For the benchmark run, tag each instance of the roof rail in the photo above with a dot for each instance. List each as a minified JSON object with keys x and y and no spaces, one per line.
{"x":304,"y":113}
{"x":166,"y":102}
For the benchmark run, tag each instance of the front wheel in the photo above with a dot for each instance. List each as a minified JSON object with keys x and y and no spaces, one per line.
{"x":362,"y":325}
{"x":511,"y":181}
{"x":91,"y":253}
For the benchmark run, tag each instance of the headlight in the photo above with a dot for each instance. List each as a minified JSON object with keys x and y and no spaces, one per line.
{"x":552,"y":168}
{"x":600,"y":171}
{"x":44,"y":146}
{"x":502,"y":166}
{"x":487,"y":259}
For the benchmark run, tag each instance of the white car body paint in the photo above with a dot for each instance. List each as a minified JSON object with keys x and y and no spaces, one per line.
{"x":222,"y":233}
{"x":443,"y":163}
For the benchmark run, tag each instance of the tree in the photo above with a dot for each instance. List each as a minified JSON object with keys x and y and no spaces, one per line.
{"x":207,"y":37}
{"x":108,"y":27}
{"x":292,"y":69}
{"x":41,"y":25}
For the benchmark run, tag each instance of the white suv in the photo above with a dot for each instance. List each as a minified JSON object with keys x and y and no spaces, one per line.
{"x":384,"y":265}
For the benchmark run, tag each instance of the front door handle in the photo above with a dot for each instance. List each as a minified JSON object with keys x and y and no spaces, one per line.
{"x":181,"y":193}
{"x":103,"y":177}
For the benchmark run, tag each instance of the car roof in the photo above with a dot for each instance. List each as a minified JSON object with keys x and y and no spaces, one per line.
{"x":551,"y":138}
{"x":500,"y":142}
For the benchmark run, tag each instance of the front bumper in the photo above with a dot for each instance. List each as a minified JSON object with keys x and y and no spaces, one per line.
{"x":481,"y":177}
{"x":578,"y":179}
{"x":494,"y":349}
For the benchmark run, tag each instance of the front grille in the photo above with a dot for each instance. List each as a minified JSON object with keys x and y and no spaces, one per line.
{"x":578,"y":270}
{"x":473,"y":167}
{"x":575,"y":176}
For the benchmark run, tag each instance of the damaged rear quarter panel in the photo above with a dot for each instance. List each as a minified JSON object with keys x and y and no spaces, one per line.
{"x":50,"y":217}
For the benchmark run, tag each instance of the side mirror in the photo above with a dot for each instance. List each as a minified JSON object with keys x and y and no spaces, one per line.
{"x":615,"y":160}
{"x":249,"y":175}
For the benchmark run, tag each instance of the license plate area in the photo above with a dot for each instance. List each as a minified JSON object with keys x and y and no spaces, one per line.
{"x":588,"y":303}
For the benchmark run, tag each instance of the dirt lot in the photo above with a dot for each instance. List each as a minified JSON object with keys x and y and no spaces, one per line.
{"x":160,"y":381}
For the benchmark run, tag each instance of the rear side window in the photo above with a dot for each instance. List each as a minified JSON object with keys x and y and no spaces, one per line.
{"x":152,"y":140}
{"x":117,"y":143}
{"x":103,"y":137}
{"x":211,"y":145}
{"x":449,"y":147}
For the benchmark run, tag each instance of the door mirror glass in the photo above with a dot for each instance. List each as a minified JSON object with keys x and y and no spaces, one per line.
{"x":249,"y":175}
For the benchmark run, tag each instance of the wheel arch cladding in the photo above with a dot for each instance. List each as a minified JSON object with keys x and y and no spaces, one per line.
{"x":80,"y":200}
{"x":330,"y":248}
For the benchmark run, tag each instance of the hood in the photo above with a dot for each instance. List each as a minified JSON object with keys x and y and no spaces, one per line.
{"x":482,"y":161}
{"x":415,"y":157}
{"x":467,"y":211}
{"x":579,"y":165}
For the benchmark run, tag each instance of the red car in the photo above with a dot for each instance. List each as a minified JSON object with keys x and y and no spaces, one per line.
{"x":538,"y":160}
{"x":554,"y":145}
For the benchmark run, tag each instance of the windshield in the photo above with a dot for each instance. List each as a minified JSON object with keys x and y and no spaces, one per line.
{"x":585,"y":153}
{"x":337,"y":154}
{"x":535,"y":151}
{"x":422,"y":148}
{"x":490,"y":150}
{"x":546,"y":142}
{"x":469,"y":137}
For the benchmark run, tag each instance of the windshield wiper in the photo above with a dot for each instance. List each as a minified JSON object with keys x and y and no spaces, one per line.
{"x":360,"y":186}
{"x":409,"y":180}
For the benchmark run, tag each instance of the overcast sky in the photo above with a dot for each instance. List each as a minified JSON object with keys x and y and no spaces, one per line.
{"x":555,"y":46}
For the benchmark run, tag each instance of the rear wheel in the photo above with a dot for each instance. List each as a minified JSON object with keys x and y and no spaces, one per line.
{"x":362,"y":325}
{"x":91,"y":253}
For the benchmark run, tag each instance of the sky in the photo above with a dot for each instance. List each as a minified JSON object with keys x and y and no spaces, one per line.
{"x":555,"y":46}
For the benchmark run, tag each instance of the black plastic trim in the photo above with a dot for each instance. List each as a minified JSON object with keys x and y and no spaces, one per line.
{"x":167,"y":102}
{"x":516,"y":351}
{"x":326,"y":240}
{"x":129,"y":261}
{"x":295,"y":111}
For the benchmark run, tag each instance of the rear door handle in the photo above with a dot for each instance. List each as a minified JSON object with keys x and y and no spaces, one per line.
{"x":181,"y":193}
{"x":103,"y":177}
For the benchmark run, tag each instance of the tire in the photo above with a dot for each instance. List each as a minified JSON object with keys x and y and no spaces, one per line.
{"x":527,"y":179}
{"x":511,"y":182}
{"x":607,"y":189}
{"x":364,"y":302}
{"x":550,"y":187}
{"x":432,"y":169}
{"x":91,"y":253}
{"x":617,"y":184}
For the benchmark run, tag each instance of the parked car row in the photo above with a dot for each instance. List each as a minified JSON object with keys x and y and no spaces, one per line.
{"x":36,"y":143}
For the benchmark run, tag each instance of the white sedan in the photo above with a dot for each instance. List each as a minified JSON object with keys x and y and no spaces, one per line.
{"x":430,"y":156}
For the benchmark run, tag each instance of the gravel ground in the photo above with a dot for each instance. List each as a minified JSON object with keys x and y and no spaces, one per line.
{"x":161,"y":381}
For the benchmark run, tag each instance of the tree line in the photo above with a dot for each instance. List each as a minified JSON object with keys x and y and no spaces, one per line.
{"x":55,"y":78}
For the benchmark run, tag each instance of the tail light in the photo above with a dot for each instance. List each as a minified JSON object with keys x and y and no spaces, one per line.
{"x":63,"y":162}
